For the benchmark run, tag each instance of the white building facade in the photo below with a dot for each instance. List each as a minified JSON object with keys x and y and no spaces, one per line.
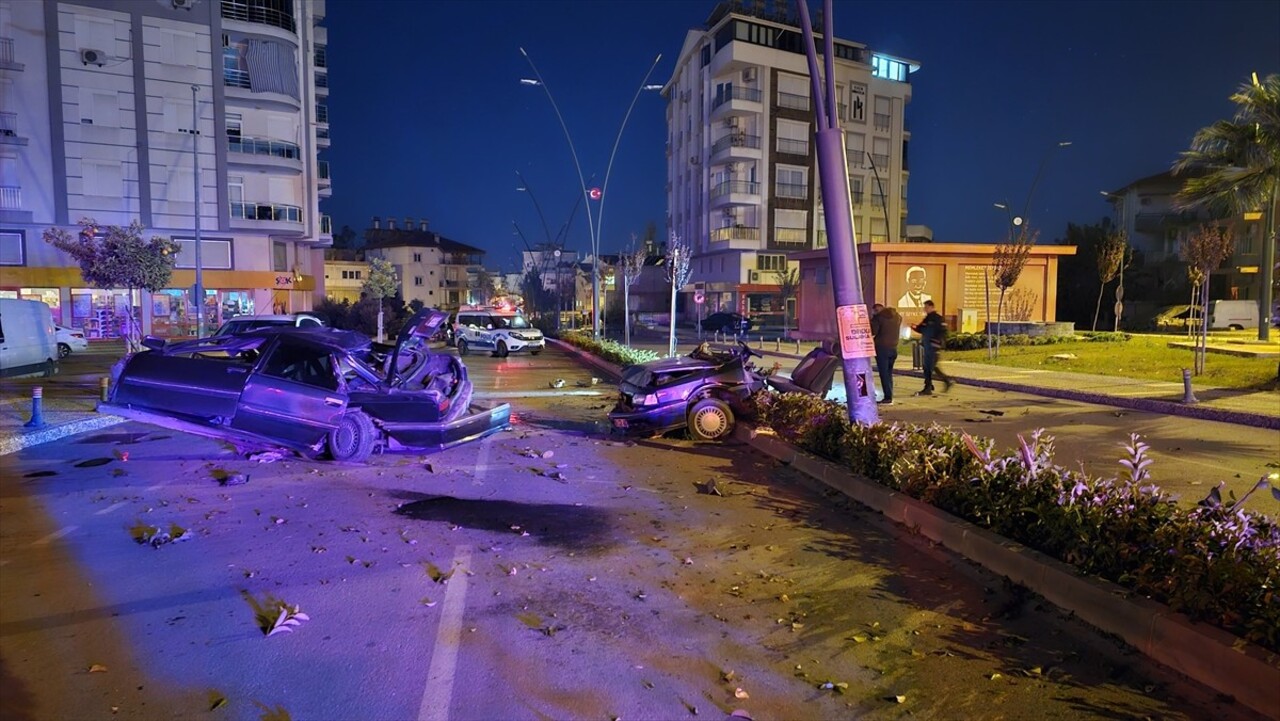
{"x":105,"y":106}
{"x":742,"y":174}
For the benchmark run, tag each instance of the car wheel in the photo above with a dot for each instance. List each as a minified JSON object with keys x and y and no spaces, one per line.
{"x":1235,"y":327}
{"x":462,"y":346}
{"x":353,"y":439}
{"x":64,"y":350}
{"x":534,"y":352}
{"x":503,"y":352}
{"x":710,"y":419}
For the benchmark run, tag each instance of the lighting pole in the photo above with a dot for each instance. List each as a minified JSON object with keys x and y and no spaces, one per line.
{"x":1014,"y":221}
{"x":884,"y":199}
{"x":1026,"y":208}
{"x":852,"y":319}
{"x":195,"y":162}
{"x":593,"y":223}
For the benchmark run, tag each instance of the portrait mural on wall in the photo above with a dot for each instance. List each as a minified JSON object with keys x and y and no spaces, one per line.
{"x":916,"y":279}
{"x":907,"y":287}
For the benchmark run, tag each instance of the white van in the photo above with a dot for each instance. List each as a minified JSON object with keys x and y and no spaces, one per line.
{"x":1233,"y":314}
{"x":28,"y":341}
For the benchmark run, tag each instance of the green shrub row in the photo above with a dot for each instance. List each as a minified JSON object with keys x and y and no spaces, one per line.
{"x":1215,"y":563}
{"x":609,"y":350}
{"x":974,"y":341}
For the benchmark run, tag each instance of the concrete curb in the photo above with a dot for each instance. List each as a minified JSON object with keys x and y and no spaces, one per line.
{"x":1207,"y":654}
{"x":26,"y":439}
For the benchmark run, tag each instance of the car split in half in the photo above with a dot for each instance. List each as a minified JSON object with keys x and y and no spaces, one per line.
{"x":313,"y":390}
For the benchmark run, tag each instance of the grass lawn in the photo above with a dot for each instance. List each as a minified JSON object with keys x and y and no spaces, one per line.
{"x":1143,"y":356}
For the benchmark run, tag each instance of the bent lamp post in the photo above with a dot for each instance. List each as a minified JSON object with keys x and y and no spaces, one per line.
{"x":852,"y":320}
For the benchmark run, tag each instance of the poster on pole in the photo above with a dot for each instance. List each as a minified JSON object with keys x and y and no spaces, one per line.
{"x":854,"y":325}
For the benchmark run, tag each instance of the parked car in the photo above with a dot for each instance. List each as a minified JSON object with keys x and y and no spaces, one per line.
{"x":726,"y":323}
{"x":707,"y":390}
{"x":499,"y":330}
{"x":243,"y":323}
{"x":70,"y":340}
{"x":312,"y":389}
{"x":28,"y":342}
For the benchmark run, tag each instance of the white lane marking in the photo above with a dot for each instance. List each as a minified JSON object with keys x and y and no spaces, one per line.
{"x":110,"y":508}
{"x":54,"y":536}
{"x":536,"y":394}
{"x":438,"y":693}
{"x":156,"y":487}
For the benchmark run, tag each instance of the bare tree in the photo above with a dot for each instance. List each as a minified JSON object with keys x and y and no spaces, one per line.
{"x":1205,"y":250}
{"x":1111,"y":255}
{"x":678,"y":269}
{"x":788,"y":288}
{"x":632,"y":263}
{"x":1007,"y":262}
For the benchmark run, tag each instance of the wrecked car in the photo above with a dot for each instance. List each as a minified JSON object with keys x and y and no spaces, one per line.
{"x":707,"y":390}
{"x":313,"y":390}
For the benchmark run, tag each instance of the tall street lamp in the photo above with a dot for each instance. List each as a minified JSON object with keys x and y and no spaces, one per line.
{"x":1014,"y":221}
{"x":595,"y":222}
{"x":1026,"y":208}
{"x":195,"y":162}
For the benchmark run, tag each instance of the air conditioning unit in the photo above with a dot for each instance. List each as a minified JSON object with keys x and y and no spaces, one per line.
{"x":184,"y":4}
{"x":93,"y":57}
{"x":753,"y":276}
{"x":749,"y":75}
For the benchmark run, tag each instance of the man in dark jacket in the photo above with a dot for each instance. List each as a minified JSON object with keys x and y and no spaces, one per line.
{"x":886,"y":325}
{"x":933,"y":331}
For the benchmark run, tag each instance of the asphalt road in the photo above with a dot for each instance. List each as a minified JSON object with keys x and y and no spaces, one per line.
{"x":588,"y":578}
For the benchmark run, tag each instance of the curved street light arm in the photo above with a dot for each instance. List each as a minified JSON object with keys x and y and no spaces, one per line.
{"x":1026,"y":207}
{"x":529,"y":189}
{"x":604,"y":191}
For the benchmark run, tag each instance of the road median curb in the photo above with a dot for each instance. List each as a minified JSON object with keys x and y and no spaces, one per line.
{"x":12,"y":443}
{"x":1205,"y":653}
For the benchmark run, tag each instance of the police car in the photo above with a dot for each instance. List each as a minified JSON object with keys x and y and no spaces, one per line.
{"x":500,"y":330}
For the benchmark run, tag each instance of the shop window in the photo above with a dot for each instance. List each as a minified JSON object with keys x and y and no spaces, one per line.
{"x":98,"y":312}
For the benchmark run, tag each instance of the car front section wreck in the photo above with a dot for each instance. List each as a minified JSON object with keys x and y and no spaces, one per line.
{"x":313,"y":390}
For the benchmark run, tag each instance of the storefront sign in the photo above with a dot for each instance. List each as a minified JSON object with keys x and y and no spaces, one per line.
{"x":854,"y":325}
{"x":284,"y":281}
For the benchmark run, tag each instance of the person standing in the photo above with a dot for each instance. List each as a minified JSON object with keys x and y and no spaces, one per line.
{"x":886,"y":325}
{"x":933,"y":331}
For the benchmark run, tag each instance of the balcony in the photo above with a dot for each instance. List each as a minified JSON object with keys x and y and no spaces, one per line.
{"x":790,"y":236}
{"x":257,"y":11}
{"x":322,"y":171}
{"x":795,"y":191}
{"x":10,"y":197}
{"x":322,"y":114}
{"x":882,"y":121}
{"x":881,"y":161}
{"x":736,"y":146}
{"x":735,"y":192}
{"x":322,"y":83}
{"x":736,"y":232}
{"x":736,"y":101}
{"x":855,"y":197}
{"x":7,"y":61}
{"x":322,"y":137}
{"x":260,"y":152}
{"x":9,"y":130}
{"x":266,"y":216}
{"x":791,"y":101}
{"x":321,"y":56}
{"x":789,"y":146}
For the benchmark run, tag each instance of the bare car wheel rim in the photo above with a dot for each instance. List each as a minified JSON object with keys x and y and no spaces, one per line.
{"x":346,"y":438}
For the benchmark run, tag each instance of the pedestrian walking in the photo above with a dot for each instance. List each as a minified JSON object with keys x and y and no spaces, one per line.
{"x":933,"y":331}
{"x":886,"y":327}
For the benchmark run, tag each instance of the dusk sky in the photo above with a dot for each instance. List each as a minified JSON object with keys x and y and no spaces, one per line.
{"x":429,"y":118}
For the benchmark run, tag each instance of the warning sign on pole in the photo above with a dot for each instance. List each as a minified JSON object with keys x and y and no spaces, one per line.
{"x":854,"y":325}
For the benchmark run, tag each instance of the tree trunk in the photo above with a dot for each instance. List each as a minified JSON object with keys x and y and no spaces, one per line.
{"x":626,"y":312}
{"x":380,"y":340}
{"x":1098,"y":309}
{"x":986,"y":288}
{"x":1204,"y":325}
{"x":671,"y":338}
{"x":999,"y":321}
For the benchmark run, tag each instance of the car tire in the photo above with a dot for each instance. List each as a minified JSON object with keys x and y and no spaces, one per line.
{"x":64,"y":350}
{"x":462,"y":346}
{"x":503,"y":351}
{"x":710,"y":419}
{"x":353,"y":439}
{"x":1235,"y":327}
{"x":534,"y":352}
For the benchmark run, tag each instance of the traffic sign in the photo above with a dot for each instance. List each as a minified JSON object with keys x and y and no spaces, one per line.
{"x":595,"y":193}
{"x":699,"y":297}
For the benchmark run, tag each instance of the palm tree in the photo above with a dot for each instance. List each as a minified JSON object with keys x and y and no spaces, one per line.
{"x":1236,"y":167}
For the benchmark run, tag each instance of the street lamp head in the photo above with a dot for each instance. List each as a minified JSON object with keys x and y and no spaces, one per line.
{"x":1001,"y":206}
{"x":1064,"y":143}
{"x":530,"y":81}
{"x":1017,"y":220}
{"x":654,"y":86}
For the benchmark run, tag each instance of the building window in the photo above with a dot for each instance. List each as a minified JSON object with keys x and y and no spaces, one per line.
{"x":359,"y":274}
{"x":233,"y":125}
{"x":214,"y":254}
{"x":417,"y":280}
{"x":279,"y":257}
{"x":771,"y":262}
{"x":11,"y":248}
{"x":792,"y":182}
{"x":889,"y":69}
{"x":417,"y":257}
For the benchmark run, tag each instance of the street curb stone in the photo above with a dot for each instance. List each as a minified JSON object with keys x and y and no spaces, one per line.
{"x":1211,"y":656}
{"x":1207,"y":654}
{"x":12,"y":443}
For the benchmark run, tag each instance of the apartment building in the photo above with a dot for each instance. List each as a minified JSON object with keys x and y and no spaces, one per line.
{"x":1156,"y":227}
{"x":115,"y":110}
{"x":741,"y":168}
{"x":430,"y":267}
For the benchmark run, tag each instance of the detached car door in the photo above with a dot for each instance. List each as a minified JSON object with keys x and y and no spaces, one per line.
{"x":294,"y":394}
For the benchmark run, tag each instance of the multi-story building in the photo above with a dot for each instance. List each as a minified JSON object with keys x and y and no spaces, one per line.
{"x":741,"y":168}
{"x":115,"y":111}
{"x":430,"y":267}
{"x":1157,"y":226}
{"x":345,"y":272}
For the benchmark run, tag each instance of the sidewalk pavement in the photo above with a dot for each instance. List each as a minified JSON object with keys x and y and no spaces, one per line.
{"x":69,"y":407}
